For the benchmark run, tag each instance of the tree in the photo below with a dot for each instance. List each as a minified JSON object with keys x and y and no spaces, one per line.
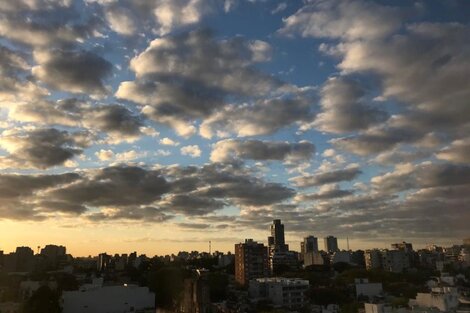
{"x":44,"y":300}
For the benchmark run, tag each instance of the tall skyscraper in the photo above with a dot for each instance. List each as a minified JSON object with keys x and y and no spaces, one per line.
{"x":251,"y":261}
{"x":331,"y":244}
{"x":277,"y":240}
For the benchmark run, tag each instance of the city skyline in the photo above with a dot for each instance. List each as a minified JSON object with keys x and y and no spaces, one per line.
{"x":160,"y":125}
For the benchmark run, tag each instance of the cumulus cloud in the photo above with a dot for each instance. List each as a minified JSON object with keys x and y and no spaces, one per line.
{"x":326,"y":192}
{"x":193,"y":151}
{"x":119,"y":123}
{"x":13,"y":66}
{"x":344,"y":108}
{"x":263,"y":117}
{"x":41,"y":148}
{"x":72,"y":71}
{"x":329,"y":177}
{"x":179,"y":82}
{"x":377,"y":140}
{"x":135,"y":193}
{"x":458,"y":151}
{"x":168,"y":142}
{"x":162,"y":16}
{"x":228,"y":150}
{"x":432,"y":82}
{"x":45,"y":23}
{"x":343,"y":19}
{"x":425,"y":175}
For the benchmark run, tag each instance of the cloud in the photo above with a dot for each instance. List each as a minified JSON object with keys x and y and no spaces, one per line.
{"x":435,"y":61}
{"x":458,"y":151}
{"x":326,"y":192}
{"x":32,"y":5}
{"x":377,"y":139}
{"x":230,"y":149}
{"x":135,"y":193}
{"x":263,"y":117}
{"x":344,"y":109}
{"x":396,"y":156}
{"x":72,"y":71}
{"x":230,"y":182}
{"x":168,"y":142}
{"x":343,"y":19}
{"x":323,"y":178}
{"x":104,"y":155}
{"x":41,"y":148}
{"x":178,"y":81}
{"x":14,"y":66}
{"x":116,"y":121}
{"x":46,"y":23}
{"x":115,"y":186}
{"x":425,"y":175}
{"x":192,"y":151}
{"x":161,"y":16}
{"x":145,"y":214}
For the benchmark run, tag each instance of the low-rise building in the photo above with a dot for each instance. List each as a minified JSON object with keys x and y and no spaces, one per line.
{"x":282,"y":292}
{"x":382,"y":308}
{"x":366,"y":289}
{"x":124,"y":299}
{"x":442,"y":298}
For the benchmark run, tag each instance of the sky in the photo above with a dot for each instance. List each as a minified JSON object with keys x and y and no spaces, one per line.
{"x":160,"y":125}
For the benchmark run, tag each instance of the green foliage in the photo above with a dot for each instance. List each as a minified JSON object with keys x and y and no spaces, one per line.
{"x":324,"y":296}
{"x":350,"y":307}
{"x":218,"y":283}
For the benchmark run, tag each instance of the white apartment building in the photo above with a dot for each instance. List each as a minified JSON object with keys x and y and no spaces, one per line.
{"x":109,"y":299}
{"x":282,"y":292}
{"x":442,"y":298}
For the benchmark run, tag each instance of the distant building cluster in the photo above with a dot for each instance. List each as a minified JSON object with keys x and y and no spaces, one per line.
{"x":257,"y":277}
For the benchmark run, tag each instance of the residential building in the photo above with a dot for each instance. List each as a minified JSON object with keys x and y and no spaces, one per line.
{"x":366,"y":289}
{"x":331,"y":244}
{"x":281,"y":292}
{"x":123,"y":299}
{"x":313,"y":258}
{"x":395,"y":260}
{"x":196,"y":294}
{"x":341,"y":257}
{"x":442,"y":298}
{"x":24,"y":259}
{"x":251,"y":261}
{"x":403,"y":246}
{"x":357,"y":258}
{"x":309,"y":244}
{"x":382,"y":308}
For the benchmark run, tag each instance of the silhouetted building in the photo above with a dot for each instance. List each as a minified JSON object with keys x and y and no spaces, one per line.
{"x":403,"y":246}
{"x":283,"y":292}
{"x":331,"y":244}
{"x":309,"y":244}
{"x":357,"y":258}
{"x":104,"y":261}
{"x":251,"y":261}
{"x":373,"y":259}
{"x":196,"y":295}
{"x":277,"y":240}
{"x":53,"y":254}
{"x":24,"y":259}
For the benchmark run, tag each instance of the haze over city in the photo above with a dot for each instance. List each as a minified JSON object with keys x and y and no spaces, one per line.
{"x":158,"y":126}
